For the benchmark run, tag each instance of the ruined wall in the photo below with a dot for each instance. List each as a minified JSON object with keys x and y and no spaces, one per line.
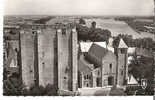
{"x":46,"y":56}
{"x":27,"y":55}
{"x":49,"y":57}
{"x":64,"y":60}
{"x":74,"y":60}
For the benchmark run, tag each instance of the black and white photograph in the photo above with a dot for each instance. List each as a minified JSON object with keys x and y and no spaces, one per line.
{"x":78,"y":48}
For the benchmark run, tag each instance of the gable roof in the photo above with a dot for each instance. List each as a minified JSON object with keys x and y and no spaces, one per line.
{"x":131,"y":80}
{"x":102,"y":44}
{"x":84,"y":66}
{"x":97,"y":51}
{"x":85,"y":46}
{"x":122,"y":44}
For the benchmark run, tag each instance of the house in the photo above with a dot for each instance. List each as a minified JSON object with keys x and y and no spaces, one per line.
{"x":85,"y":46}
{"x":85,"y":71}
{"x":104,"y":60}
{"x":110,"y":64}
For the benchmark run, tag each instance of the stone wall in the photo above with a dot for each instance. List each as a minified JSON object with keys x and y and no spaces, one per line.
{"x":74,"y":59}
{"x":122,"y":71}
{"x":64,"y":60}
{"x":27,"y":55}
{"x":67,"y":59}
{"x":110,"y":58}
{"x":46,"y":56}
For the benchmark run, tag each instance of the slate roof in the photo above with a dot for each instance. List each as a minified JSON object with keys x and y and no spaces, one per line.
{"x":84,"y":66}
{"x":98,"y":51}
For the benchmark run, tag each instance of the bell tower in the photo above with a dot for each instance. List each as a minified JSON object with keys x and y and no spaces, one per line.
{"x":122,"y":68}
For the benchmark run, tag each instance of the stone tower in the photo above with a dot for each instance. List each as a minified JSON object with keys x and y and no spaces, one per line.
{"x":47,"y":56}
{"x":122,"y":68}
{"x":27,"y":56}
{"x":67,"y":59}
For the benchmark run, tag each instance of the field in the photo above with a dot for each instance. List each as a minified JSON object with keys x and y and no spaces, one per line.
{"x":115,"y":26}
{"x":118,"y":27}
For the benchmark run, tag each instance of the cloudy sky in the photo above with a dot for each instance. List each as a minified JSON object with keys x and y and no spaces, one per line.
{"x":79,"y":7}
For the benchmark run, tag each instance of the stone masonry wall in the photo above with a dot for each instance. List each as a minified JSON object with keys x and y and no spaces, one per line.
{"x":46,"y":56}
{"x":27,"y":55}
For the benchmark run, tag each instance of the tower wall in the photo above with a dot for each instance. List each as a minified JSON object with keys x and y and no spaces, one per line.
{"x":27,"y":55}
{"x":64,"y":60}
{"x":74,"y":59}
{"x":46,"y":56}
{"x":67,"y":59}
{"x":122,"y":67}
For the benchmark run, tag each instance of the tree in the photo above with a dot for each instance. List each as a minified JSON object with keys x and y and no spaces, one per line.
{"x":142,"y":67}
{"x":93,"y":24}
{"x":82,"y":21}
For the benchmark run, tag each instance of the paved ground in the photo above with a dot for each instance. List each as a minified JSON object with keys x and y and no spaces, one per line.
{"x":95,"y":91}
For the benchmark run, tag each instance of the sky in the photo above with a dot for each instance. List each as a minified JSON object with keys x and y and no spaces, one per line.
{"x":79,"y":7}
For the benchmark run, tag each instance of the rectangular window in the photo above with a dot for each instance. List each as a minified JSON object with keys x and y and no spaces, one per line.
{"x":122,"y":51}
{"x":122,"y":72}
{"x":110,"y":67}
{"x":63,"y":31}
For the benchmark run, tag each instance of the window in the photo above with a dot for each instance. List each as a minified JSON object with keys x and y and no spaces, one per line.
{"x":65,"y":77}
{"x":87,"y":76}
{"x":110,"y":80}
{"x":110,"y":67}
{"x":122,"y":72}
{"x":63,"y":31}
{"x":34,"y":32}
{"x":98,"y":73}
{"x":87,"y":85}
{"x":122,"y":51}
{"x":43,"y":64}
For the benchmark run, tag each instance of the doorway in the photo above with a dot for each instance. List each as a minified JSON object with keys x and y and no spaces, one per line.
{"x":110,"y":80}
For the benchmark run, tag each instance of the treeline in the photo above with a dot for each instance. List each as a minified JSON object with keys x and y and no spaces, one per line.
{"x":93,"y":34}
{"x":43,"y":20}
{"x":138,"y":25}
{"x":147,"y":43}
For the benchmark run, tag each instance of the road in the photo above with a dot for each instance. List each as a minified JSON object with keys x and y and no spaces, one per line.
{"x":94,"y":91}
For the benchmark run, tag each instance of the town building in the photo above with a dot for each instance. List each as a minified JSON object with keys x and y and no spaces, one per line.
{"x":107,"y":65}
{"x":105,"y":60}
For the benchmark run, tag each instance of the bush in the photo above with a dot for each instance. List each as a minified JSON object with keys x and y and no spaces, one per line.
{"x":49,"y":90}
{"x":117,"y":92}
